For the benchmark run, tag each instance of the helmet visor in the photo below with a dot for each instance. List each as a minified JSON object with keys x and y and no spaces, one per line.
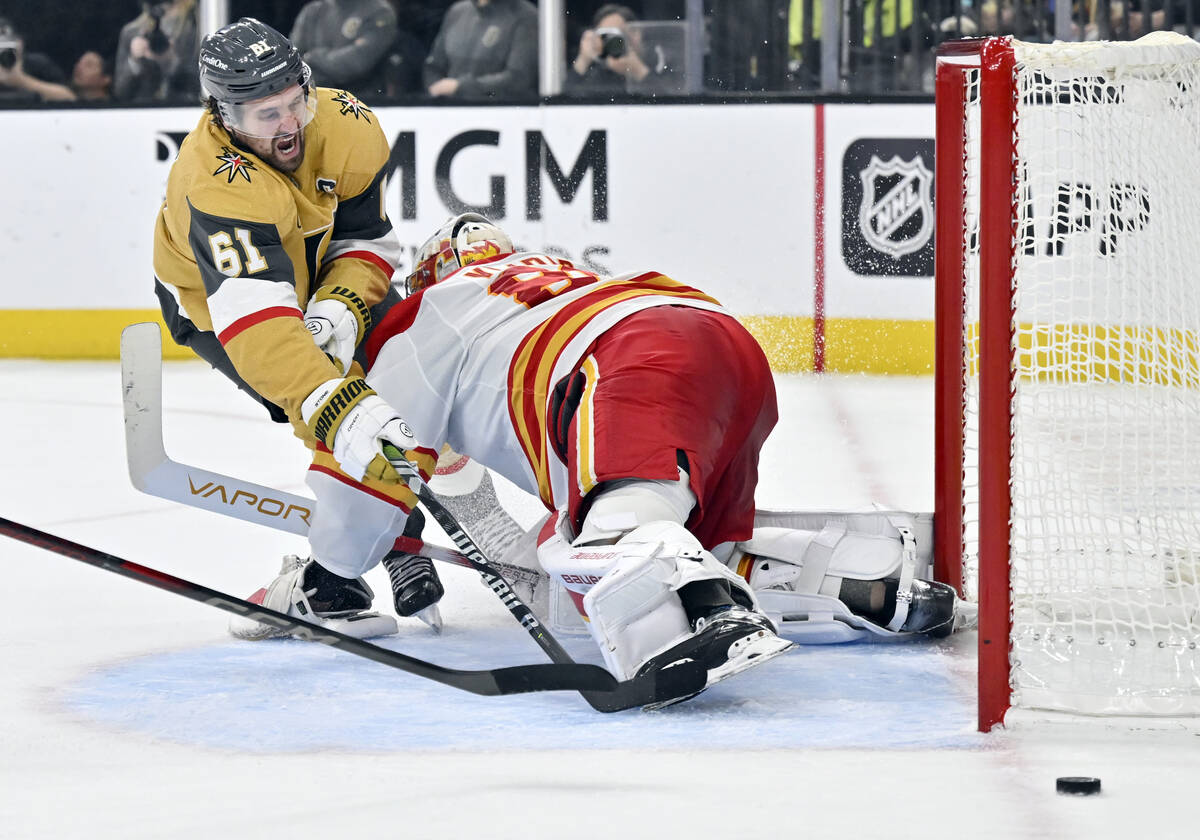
{"x":277,"y":115}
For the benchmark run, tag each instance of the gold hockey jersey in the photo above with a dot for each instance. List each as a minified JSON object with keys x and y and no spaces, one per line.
{"x":240,"y":247}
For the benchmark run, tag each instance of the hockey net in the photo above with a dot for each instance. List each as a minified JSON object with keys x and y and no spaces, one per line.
{"x":1068,"y":385}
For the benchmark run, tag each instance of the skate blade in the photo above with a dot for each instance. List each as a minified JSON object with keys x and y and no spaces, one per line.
{"x":966,"y":615}
{"x":432,"y":616}
{"x":360,"y":626}
{"x":249,"y":630}
{"x":748,"y":653}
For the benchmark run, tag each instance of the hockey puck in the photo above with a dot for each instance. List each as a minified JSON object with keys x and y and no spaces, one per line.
{"x":1078,"y":785}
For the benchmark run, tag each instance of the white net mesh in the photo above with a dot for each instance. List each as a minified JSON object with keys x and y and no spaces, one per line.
{"x":1105,"y":516}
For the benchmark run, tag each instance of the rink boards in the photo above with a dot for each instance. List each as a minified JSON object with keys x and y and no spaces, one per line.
{"x":799,"y":217}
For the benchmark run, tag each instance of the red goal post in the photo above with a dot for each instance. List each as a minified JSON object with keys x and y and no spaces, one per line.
{"x":1067,"y":455}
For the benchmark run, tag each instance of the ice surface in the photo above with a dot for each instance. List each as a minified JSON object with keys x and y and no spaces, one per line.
{"x":127,"y":712}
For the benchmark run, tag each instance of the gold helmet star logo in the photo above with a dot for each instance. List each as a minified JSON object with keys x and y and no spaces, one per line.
{"x":234,"y":164}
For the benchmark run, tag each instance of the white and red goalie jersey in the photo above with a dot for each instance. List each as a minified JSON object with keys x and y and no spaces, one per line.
{"x":473,"y":361}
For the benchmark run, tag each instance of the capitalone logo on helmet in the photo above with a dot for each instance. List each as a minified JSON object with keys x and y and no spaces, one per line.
{"x":896,"y":212}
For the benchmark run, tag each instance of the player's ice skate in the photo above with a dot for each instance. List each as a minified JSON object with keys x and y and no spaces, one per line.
{"x":306,"y":590}
{"x":728,"y":642}
{"x":416,"y":587}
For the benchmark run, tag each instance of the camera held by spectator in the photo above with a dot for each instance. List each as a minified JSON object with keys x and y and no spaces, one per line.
{"x":10,"y":46}
{"x":612,"y":41}
{"x":157,"y":53}
{"x":26,"y":76}
{"x":156,"y":39}
{"x":614,"y":56}
{"x":8,"y":54}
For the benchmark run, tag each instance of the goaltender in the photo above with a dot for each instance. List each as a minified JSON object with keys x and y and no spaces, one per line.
{"x":273,"y":257}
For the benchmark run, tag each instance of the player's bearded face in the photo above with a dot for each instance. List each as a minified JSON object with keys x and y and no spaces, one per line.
{"x":273,"y":127}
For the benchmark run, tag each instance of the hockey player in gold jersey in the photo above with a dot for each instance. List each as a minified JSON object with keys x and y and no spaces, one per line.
{"x":273,"y":257}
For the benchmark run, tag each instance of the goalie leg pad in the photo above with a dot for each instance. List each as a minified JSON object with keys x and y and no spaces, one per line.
{"x":635,"y":609}
{"x":621,"y":506}
{"x":617,"y":507}
{"x":799,"y":573}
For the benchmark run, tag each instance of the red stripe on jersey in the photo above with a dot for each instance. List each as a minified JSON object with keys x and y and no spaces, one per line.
{"x":577,"y":600}
{"x":349,"y":482}
{"x":371,"y":257}
{"x":247,"y":321}
{"x":533,"y":364}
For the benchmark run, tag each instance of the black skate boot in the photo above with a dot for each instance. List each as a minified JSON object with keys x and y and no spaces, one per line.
{"x":728,"y":641}
{"x":415,"y":582}
{"x":416,"y":587}
{"x":306,"y":589}
{"x":931,"y":610}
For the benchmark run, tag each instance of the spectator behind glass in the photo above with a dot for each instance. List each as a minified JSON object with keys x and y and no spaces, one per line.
{"x":485,"y":48}
{"x":346,"y":43}
{"x":91,"y":79}
{"x":613,"y":57}
{"x":28,"y":76}
{"x":157,"y":54}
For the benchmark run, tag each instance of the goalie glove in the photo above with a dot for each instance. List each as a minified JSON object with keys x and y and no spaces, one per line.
{"x":355,"y":423}
{"x":337,"y":318}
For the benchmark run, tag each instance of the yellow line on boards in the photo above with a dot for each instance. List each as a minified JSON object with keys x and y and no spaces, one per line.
{"x":75,"y":333}
{"x":852,"y":345}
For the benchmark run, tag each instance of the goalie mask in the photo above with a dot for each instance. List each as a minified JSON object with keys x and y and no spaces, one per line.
{"x":465,"y":239}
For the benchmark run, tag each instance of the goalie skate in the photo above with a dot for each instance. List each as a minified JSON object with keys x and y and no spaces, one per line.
{"x":726,"y":643}
{"x":304,"y":589}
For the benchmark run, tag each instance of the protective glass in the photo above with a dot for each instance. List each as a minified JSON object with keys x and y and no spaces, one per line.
{"x":272,"y":116}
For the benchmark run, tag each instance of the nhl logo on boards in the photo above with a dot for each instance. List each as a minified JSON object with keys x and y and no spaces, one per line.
{"x":896,"y":211}
{"x":887,"y":206}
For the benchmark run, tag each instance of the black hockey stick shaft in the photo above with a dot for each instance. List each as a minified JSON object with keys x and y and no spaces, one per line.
{"x":453,"y":557}
{"x":674,"y":682}
{"x":494,"y":682}
{"x":479,"y":562}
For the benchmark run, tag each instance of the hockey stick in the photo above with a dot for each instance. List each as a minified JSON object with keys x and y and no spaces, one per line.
{"x":153,"y":472}
{"x":519,"y":679}
{"x":511,"y":571}
{"x":692,"y":672}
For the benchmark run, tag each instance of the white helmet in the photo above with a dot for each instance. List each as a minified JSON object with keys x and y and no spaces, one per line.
{"x":462,"y":240}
